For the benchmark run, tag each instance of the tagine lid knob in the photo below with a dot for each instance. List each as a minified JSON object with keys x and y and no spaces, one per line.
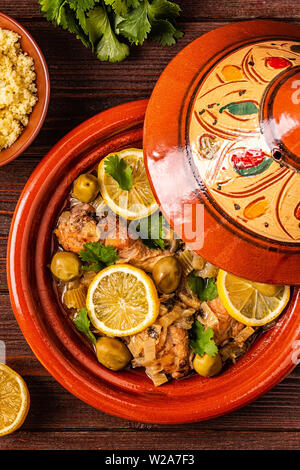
{"x":280,"y":117}
{"x":221,"y":148}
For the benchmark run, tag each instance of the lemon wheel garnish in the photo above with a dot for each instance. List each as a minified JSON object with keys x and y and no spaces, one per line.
{"x":122,"y":300}
{"x":14,"y":400}
{"x":251,"y":303}
{"x":139,"y":201}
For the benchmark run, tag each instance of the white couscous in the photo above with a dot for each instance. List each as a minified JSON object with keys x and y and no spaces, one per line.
{"x":18,"y":92}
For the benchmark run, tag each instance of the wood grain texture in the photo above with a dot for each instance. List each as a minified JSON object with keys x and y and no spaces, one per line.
{"x":145,"y":440}
{"x":81,"y":86}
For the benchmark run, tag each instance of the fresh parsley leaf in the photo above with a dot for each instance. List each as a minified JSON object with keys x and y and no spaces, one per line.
{"x":63,"y":13}
{"x":69,"y":21}
{"x":136,"y":24}
{"x":163,"y":9}
{"x":103,"y":38}
{"x":83,"y":4}
{"x":205,"y":289}
{"x":154,"y":17}
{"x":154,"y":243}
{"x":120,"y":7}
{"x":51,"y":8}
{"x":120,"y":171}
{"x":201,"y":340}
{"x":111,"y":49}
{"x":151,"y":231}
{"x":133,"y":3}
{"x":165,"y":33}
{"x":95,"y":24}
{"x":196,"y":284}
{"x":162,"y":14}
{"x":81,"y":18}
{"x":97,"y":256}
{"x":82,"y":324}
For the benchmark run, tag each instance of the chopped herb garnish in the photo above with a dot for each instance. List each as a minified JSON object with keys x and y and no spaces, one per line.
{"x":97,"y":256}
{"x":205,"y":289}
{"x":120,"y":171}
{"x":202,"y":340}
{"x":82,"y":323}
{"x":151,"y":231}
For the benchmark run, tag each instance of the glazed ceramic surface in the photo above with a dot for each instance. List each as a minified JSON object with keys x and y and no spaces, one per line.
{"x":39,"y":112}
{"x":223,"y":118}
{"x":62,"y":350}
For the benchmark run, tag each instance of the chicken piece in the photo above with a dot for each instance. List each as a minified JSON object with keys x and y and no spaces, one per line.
{"x":113,"y":231}
{"x":118,"y":234}
{"x":226,"y":327}
{"x":107,"y":223}
{"x":174,"y":355}
{"x":139,"y":255}
{"x":77,"y":227}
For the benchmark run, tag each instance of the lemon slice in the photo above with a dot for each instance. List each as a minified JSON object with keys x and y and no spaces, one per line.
{"x":122,"y":300}
{"x":139,"y":201}
{"x":251,"y":303}
{"x":14,"y":400}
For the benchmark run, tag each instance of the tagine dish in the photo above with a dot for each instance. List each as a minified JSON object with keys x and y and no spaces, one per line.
{"x":137,"y":293}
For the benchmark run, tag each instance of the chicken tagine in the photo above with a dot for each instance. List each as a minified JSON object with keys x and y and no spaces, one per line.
{"x":138,"y":293}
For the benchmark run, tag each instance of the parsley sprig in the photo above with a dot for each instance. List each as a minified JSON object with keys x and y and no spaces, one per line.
{"x":120,"y":171}
{"x":205,"y":289}
{"x":106,"y":25}
{"x":97,"y":256}
{"x":202,"y":340}
{"x":82,"y":323}
{"x":151,"y":231}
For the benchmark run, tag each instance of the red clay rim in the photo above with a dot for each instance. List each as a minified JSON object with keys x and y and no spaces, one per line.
{"x":128,"y":395}
{"x":44,"y":77}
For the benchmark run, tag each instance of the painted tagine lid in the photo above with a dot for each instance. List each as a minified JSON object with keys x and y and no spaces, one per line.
{"x":222,"y":148}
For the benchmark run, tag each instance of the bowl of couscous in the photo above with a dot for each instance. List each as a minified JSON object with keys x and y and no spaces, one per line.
{"x":24,"y":89}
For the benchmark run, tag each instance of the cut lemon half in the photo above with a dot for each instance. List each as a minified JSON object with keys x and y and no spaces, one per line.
{"x":14,"y":400}
{"x":251,"y":303}
{"x":122,"y":300}
{"x":139,"y":201}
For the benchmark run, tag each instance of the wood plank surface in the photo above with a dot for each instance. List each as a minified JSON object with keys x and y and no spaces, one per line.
{"x":81,"y":86}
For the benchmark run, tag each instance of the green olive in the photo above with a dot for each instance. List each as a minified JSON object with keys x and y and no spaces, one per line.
{"x":65,"y":266}
{"x":86,"y":187}
{"x":167,"y":274}
{"x":112,"y":353}
{"x":207,"y":366}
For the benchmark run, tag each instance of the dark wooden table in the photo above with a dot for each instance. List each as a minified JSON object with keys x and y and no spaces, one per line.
{"x":81,"y":86}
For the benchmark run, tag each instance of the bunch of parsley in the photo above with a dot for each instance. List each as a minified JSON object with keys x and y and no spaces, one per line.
{"x":108,"y":25}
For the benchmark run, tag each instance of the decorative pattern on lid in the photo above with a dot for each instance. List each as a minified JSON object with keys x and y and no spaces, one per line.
{"x":229,"y":150}
{"x":220,"y":138}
